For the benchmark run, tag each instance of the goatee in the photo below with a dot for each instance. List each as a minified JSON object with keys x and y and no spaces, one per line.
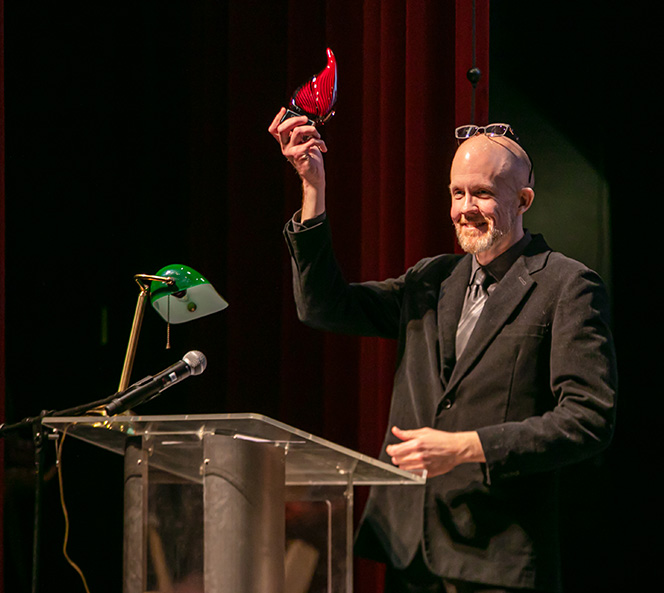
{"x":472,"y":242}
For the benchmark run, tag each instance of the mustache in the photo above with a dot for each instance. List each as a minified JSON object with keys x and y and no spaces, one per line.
{"x":473,"y":219}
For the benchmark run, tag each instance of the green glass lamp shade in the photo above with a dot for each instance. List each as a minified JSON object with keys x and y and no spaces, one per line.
{"x":190,"y":297}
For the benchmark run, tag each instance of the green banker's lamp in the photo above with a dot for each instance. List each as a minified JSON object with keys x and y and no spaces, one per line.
{"x":179,"y":294}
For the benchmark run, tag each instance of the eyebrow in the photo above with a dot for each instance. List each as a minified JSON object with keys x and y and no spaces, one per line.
{"x":486,"y":186}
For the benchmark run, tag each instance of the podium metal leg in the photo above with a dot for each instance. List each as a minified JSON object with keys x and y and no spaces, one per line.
{"x":135,"y":517}
{"x":244,"y":514}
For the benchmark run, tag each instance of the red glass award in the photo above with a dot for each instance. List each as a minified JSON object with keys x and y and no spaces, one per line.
{"x":316,"y":97}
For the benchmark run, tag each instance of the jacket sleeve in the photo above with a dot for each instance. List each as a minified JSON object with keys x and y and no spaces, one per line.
{"x":583,"y":383}
{"x":324,"y":299}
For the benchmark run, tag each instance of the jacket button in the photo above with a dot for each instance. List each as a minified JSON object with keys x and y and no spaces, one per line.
{"x":445,"y":404}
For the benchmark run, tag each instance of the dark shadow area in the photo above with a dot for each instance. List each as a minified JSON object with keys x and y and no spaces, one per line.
{"x":588,"y":68}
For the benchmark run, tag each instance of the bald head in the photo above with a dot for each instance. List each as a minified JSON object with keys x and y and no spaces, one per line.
{"x":497,"y":156}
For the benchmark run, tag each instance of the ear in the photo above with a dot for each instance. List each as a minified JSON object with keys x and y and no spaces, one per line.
{"x":526,"y":197}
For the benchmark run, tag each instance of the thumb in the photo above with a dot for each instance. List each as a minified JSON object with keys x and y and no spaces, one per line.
{"x":403,"y":435}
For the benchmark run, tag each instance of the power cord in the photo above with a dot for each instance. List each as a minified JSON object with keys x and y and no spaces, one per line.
{"x":65,"y":513}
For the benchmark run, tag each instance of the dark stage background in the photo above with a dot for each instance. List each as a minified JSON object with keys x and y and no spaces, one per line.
{"x":136,"y":136}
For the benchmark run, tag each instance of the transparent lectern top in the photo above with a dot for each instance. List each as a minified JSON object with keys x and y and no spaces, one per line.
{"x":176,"y":443}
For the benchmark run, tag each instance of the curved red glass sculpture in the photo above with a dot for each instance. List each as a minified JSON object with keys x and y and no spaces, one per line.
{"x":316,"y":97}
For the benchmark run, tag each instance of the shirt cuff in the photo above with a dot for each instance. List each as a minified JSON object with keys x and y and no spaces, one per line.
{"x":297,"y":225}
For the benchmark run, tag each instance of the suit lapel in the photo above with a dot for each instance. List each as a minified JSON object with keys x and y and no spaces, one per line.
{"x":509,"y":293}
{"x":450,"y":303}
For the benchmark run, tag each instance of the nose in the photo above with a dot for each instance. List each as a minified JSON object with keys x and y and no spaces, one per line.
{"x":467,"y":203}
{"x":464,"y":206}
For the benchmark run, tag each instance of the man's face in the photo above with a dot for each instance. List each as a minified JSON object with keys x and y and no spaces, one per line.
{"x":485,"y":200}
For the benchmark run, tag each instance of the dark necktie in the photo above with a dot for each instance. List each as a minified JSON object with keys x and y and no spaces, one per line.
{"x":472,"y":308}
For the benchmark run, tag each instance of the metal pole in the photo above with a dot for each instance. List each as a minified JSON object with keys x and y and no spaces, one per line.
{"x":38,"y":440}
{"x":135,"y":517}
{"x":244,"y":500}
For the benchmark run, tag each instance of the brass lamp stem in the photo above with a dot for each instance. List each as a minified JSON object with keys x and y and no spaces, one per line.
{"x":136,"y":324}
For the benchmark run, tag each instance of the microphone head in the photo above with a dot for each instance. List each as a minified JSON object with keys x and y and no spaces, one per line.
{"x":196,"y":361}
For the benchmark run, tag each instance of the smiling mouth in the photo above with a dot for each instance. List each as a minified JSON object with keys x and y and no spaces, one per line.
{"x":479,"y":226}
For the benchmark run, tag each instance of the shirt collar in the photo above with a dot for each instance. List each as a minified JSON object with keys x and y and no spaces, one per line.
{"x":498,"y":267}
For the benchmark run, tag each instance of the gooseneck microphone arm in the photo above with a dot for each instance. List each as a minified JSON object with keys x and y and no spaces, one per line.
{"x":193,"y":363}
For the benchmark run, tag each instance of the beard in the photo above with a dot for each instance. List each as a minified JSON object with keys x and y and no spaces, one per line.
{"x":474,"y":241}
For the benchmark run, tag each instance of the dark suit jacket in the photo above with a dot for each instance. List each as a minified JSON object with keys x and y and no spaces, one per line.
{"x":537,"y":381}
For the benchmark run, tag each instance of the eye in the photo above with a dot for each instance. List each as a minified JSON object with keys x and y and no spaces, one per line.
{"x":484,"y":193}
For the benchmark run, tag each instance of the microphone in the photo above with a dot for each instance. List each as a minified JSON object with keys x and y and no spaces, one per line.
{"x":192,"y":363}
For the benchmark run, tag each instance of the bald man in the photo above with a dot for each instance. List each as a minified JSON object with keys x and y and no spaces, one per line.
{"x":498,"y":385}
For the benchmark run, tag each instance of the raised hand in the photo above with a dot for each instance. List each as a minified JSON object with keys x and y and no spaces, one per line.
{"x":302,"y":145}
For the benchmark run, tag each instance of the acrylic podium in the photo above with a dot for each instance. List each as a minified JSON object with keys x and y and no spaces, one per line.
{"x":233,"y":503}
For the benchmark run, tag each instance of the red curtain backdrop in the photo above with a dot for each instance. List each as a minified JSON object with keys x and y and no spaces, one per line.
{"x":390,"y":146}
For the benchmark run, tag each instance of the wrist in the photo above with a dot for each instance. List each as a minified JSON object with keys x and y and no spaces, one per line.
{"x":313,"y":200}
{"x":471,"y":450}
